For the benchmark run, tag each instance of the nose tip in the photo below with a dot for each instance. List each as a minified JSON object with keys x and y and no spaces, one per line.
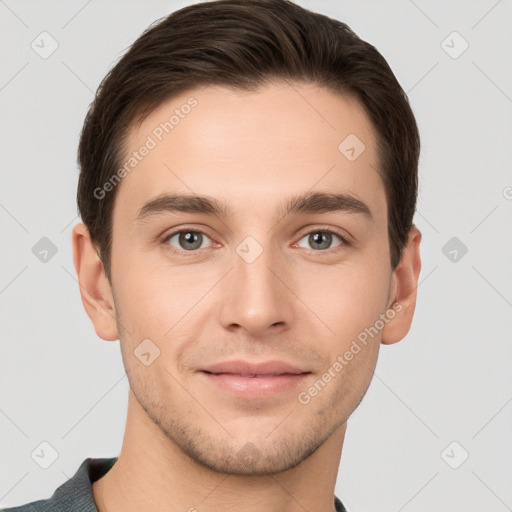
{"x":256,"y":299}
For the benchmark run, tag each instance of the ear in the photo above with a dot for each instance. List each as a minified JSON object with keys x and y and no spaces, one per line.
{"x":403,"y":297}
{"x":95,"y":289}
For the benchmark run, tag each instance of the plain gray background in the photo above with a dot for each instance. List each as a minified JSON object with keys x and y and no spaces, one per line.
{"x":442,"y":394}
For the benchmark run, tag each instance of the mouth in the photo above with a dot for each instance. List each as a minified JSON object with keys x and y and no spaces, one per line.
{"x":249,"y":369}
{"x":254,"y":380}
{"x":259,"y":385}
{"x":254,"y":375}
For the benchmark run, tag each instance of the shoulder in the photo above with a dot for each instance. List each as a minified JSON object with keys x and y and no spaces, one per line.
{"x":75,"y":494}
{"x":338,"y":505}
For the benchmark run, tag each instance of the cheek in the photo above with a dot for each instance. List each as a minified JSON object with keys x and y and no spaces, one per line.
{"x":159,"y":301}
{"x":344,"y":300}
{"x":144,"y":295}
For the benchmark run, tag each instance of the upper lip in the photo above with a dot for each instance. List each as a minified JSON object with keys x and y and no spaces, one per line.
{"x":247,"y":368}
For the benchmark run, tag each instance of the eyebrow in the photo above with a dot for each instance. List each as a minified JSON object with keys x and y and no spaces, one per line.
{"x":311,"y":202}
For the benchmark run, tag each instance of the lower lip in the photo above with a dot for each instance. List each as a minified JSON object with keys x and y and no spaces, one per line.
{"x":255,"y":387}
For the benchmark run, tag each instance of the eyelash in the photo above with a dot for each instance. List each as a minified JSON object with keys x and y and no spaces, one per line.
{"x":343,"y":239}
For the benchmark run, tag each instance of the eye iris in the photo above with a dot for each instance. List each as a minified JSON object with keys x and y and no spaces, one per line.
{"x":190,"y":237}
{"x":320,"y":238}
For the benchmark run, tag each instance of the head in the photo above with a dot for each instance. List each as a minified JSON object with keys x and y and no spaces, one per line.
{"x":280,"y":125}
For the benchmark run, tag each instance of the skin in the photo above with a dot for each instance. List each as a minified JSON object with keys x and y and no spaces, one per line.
{"x":296,"y":302}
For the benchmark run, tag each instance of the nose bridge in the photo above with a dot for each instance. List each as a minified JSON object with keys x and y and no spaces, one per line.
{"x":255,"y":297}
{"x":253,"y":263}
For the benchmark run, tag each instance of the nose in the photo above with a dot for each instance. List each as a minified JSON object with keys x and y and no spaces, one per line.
{"x":257,"y":295}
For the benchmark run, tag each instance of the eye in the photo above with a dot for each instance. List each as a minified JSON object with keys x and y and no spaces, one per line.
{"x":188,"y":240}
{"x":321,"y":239}
{"x":191,"y":240}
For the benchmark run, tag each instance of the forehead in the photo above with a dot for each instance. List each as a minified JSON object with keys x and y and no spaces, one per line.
{"x":247,"y":147}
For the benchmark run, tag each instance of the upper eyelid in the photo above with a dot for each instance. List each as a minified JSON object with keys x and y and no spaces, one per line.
{"x":184,"y":230}
{"x":328,"y":229}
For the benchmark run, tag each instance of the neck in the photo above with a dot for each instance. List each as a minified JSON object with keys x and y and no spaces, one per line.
{"x":153,"y":473}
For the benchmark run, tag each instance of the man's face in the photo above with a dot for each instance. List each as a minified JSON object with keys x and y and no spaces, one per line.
{"x":256,"y":285}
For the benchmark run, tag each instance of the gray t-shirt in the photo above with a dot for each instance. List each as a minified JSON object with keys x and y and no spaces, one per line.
{"x":75,"y":495}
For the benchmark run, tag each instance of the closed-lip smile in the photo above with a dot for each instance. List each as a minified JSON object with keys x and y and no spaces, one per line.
{"x":246,"y":380}
{"x":245,"y":368}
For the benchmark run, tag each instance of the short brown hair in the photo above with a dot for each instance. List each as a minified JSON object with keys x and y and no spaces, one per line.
{"x":243,"y":44}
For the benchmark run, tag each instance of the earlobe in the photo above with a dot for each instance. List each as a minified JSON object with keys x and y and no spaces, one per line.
{"x":95,"y":289}
{"x":405,"y":286}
